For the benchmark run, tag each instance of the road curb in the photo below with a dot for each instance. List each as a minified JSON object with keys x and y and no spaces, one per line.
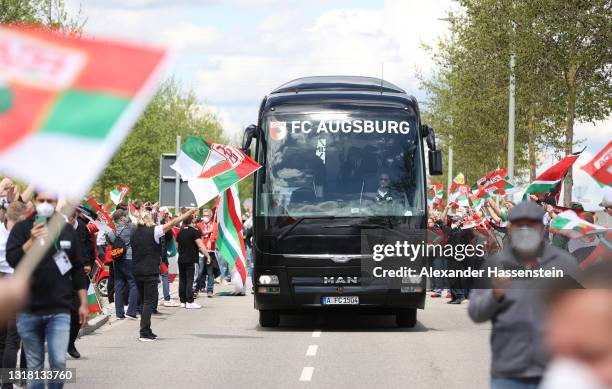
{"x":94,"y":324}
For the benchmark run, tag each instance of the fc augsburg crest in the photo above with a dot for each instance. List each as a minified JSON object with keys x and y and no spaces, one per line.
{"x":6,"y":98}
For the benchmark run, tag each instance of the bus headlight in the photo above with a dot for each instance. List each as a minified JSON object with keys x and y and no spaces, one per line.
{"x":268,"y":279}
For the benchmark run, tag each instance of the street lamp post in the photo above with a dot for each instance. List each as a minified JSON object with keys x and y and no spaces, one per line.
{"x":511,"y":114}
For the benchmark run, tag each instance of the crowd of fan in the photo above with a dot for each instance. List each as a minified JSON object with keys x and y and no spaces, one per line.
{"x":52,"y":306}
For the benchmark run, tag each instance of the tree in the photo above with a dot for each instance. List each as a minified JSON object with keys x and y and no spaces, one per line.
{"x":562,"y":72}
{"x":171,"y":112}
{"x":49,"y":13}
{"x":574,"y":37}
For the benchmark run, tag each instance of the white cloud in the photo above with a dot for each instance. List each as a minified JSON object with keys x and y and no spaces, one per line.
{"x":233,"y":65}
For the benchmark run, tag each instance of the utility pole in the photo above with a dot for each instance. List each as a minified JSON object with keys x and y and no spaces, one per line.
{"x":49,"y":9}
{"x":511,"y":113}
{"x":450,"y":163}
{"x":177,"y":183}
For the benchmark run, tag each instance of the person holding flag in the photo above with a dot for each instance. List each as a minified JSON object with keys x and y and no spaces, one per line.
{"x":146,"y":251}
{"x":189,"y":241}
{"x":210,"y":232}
{"x":60,"y":272}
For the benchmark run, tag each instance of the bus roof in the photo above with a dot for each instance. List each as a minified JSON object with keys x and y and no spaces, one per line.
{"x":334,"y":90}
{"x":338,"y":84}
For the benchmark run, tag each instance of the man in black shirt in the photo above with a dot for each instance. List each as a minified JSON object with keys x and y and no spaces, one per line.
{"x":60,"y":272}
{"x":189,"y":242}
{"x":79,"y":223}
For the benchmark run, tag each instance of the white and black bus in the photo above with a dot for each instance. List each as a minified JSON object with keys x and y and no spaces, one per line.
{"x":341,"y":156}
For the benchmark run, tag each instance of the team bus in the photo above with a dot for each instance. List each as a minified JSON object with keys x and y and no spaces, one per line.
{"x":339,"y":156}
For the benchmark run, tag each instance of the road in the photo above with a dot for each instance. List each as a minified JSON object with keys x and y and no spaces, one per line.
{"x":222,"y":346}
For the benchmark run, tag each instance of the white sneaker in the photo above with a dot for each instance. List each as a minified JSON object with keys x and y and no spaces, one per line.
{"x":193,"y":306}
{"x":171,"y":303}
{"x":182,"y":305}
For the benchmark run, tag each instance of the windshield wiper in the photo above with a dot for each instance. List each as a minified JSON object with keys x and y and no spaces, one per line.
{"x":298,"y":221}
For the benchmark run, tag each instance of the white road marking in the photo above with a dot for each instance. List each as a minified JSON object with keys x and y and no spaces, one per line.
{"x":307,"y":373}
{"x":312,"y":350}
{"x":316,"y":334}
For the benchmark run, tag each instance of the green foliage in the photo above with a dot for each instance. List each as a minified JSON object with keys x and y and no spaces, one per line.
{"x":563,"y":56}
{"x":171,"y":112}
{"x":49,"y":13}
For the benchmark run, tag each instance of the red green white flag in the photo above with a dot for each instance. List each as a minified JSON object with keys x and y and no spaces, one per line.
{"x":67,"y":103}
{"x":434,"y":195}
{"x":600,"y":167}
{"x":118,"y":194}
{"x":549,"y":182}
{"x":495,"y":182}
{"x":230,"y":241}
{"x":103,"y":221}
{"x":133,"y":213}
{"x":458,"y":192}
{"x":211,"y":168}
{"x":92,"y":300}
{"x":569,"y":224}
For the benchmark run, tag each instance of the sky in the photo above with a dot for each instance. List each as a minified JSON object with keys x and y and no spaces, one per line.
{"x":233,"y":52}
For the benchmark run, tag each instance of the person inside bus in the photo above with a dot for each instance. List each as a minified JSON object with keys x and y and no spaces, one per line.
{"x":384,"y":194}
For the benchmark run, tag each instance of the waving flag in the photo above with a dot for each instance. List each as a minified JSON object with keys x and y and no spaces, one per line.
{"x":211,"y":168}
{"x":230,"y":241}
{"x":103,"y":220}
{"x":434,"y":195}
{"x":495,"y":182}
{"x":600,"y":167}
{"x":570,"y":225}
{"x":118,"y":194}
{"x":458,"y":193}
{"x":67,"y":103}
{"x":92,"y":300}
{"x":549,"y":182}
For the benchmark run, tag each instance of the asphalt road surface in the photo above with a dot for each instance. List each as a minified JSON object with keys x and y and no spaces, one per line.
{"x":222,"y":346}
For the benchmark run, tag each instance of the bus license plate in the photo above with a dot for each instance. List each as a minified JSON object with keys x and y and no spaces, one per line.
{"x":341,"y":300}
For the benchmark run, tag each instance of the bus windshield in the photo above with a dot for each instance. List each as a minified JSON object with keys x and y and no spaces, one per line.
{"x":342,"y":164}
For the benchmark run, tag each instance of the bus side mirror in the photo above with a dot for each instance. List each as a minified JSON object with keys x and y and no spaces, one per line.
{"x":435,"y":155}
{"x":249,"y":133}
{"x":435,"y":162}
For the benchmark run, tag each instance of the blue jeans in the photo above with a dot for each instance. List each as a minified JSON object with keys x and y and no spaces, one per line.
{"x":515,"y":383}
{"x":438,"y":283}
{"x":201,"y":274}
{"x":34,"y":330}
{"x":249,"y":260}
{"x":224,"y":268}
{"x":165,"y":286}
{"x":123,"y":278}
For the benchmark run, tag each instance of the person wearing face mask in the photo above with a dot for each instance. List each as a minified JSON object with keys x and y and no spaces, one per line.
{"x":46,"y":317}
{"x":513,"y":305}
{"x":209,"y":231}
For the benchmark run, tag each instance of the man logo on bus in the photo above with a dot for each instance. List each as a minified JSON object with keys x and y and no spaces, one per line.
{"x":278,"y":130}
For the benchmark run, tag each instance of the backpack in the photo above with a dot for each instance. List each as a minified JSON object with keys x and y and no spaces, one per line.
{"x":118,"y":247}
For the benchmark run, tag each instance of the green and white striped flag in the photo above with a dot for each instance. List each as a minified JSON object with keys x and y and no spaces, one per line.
{"x":211,"y":168}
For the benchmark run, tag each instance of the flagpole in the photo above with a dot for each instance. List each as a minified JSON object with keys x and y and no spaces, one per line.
{"x":177,"y":182}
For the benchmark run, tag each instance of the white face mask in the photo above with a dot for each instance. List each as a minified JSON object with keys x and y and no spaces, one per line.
{"x":525,"y":240}
{"x":206,"y":219}
{"x":570,"y":373}
{"x":45,"y":209}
